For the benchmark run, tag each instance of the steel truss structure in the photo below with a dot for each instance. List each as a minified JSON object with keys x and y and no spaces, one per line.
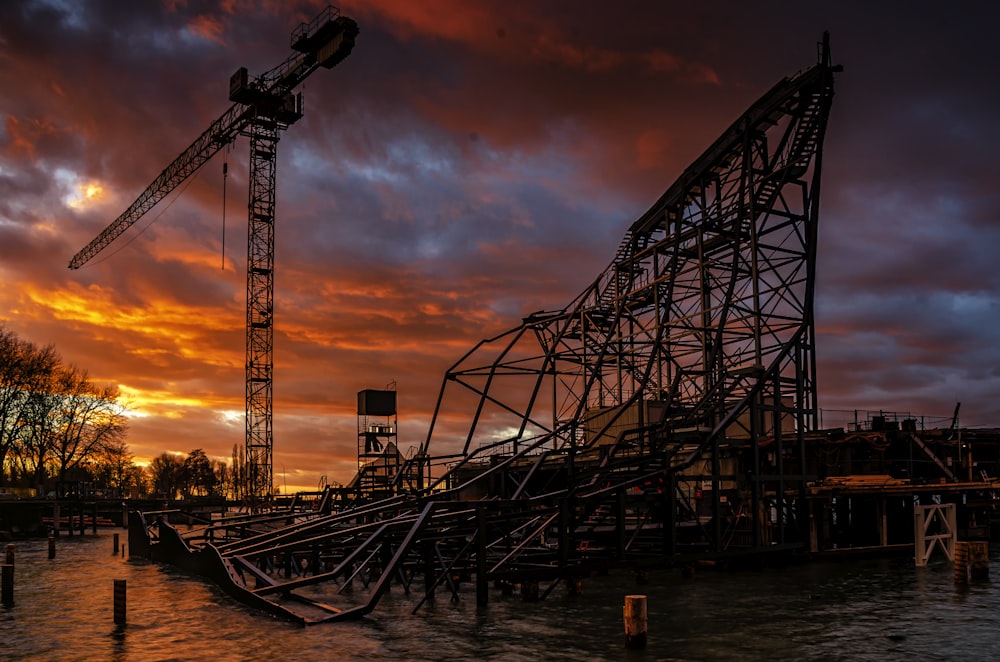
{"x":697,"y":341}
{"x":661,"y":417}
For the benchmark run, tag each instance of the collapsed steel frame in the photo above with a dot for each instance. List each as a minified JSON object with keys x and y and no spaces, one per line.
{"x":660,"y":417}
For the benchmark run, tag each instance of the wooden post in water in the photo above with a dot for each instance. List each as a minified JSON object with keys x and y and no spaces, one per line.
{"x":635,"y":621}
{"x":7,"y":585}
{"x":116,"y":545}
{"x":961,"y":562}
{"x":120,"y":602}
{"x":52,"y":547}
{"x":529,"y":591}
{"x":7,"y":579}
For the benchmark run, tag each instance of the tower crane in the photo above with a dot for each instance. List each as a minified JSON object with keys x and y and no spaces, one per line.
{"x":262,"y":108}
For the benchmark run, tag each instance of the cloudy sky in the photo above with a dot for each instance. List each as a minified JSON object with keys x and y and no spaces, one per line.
{"x":471,"y":162}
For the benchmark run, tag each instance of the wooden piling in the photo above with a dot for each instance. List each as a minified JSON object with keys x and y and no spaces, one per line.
{"x":961,"y":562}
{"x":574,"y":586}
{"x":115,"y":552}
{"x":7,"y":591}
{"x":10,"y":555}
{"x":529,"y":591}
{"x":635,"y":621}
{"x":120,"y":593}
{"x":52,"y":547}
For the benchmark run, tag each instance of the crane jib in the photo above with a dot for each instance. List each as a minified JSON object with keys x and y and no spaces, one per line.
{"x":327,"y":44}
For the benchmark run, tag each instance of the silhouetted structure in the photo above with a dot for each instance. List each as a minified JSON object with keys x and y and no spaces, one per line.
{"x":666,"y":416}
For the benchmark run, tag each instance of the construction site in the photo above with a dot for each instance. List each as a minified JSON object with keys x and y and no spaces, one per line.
{"x":667,"y":417}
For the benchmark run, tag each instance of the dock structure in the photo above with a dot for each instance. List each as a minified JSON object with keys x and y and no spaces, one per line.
{"x":666,"y":416}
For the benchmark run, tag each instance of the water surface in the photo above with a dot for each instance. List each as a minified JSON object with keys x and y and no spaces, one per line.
{"x":855,"y":610}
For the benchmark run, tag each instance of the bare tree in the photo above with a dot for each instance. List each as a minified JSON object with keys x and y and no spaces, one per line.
{"x":113,"y":465}
{"x":223,"y":478}
{"x":24,"y":370}
{"x":237,"y":474}
{"x":137,"y":481}
{"x":52,"y":418}
{"x":167,"y":474}
{"x":88,"y":417}
{"x":34,"y":441}
{"x":199,"y":478}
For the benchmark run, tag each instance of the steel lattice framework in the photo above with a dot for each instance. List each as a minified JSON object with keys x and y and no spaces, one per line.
{"x":705,"y":309}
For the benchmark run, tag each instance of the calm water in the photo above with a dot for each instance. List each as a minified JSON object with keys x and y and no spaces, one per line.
{"x":858,"y":610}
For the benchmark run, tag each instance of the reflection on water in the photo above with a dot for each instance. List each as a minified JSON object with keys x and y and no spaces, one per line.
{"x":857,"y":610}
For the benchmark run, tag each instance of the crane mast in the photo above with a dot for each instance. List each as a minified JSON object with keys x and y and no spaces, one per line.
{"x":262,"y":108}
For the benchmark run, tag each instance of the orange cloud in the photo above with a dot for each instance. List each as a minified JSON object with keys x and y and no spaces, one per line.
{"x":209,"y":27}
{"x":159,"y":328}
{"x":25,"y":135}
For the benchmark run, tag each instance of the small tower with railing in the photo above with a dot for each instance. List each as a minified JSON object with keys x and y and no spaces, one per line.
{"x":378,"y":456}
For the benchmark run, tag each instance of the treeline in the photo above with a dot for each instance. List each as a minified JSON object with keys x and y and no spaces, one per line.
{"x":54,"y":421}
{"x":171,"y":476}
{"x":56,"y":426}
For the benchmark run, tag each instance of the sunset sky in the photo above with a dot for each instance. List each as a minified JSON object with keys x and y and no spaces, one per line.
{"x":469,"y":163}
